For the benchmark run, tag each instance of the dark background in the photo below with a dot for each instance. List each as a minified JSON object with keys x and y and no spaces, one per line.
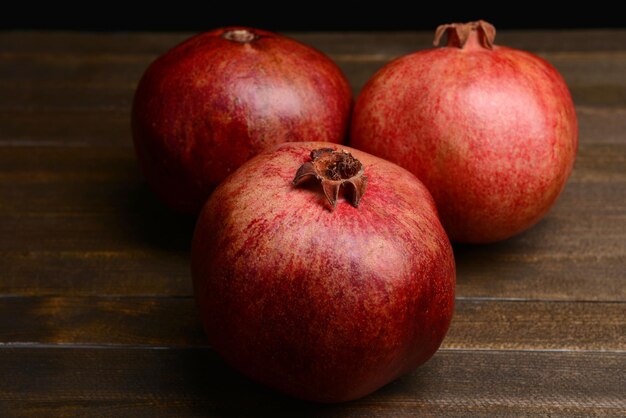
{"x":299,"y":15}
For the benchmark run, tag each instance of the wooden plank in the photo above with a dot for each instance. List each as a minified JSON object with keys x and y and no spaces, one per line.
{"x":69,"y":127}
{"x":166,"y":322}
{"x":111,"y":126}
{"x":56,"y":167}
{"x":67,"y":164}
{"x":195,"y":382}
{"x":82,"y":223}
{"x":137,"y":245}
{"x":330,"y":42}
{"x":120,"y":69}
{"x":81,"y":181}
{"x":109,"y":232}
{"x":60,"y":42}
{"x":511,"y":325}
{"x":66,"y":95}
{"x":158,"y":270}
{"x":481,"y":273}
{"x":399,"y":43}
{"x":52,"y":81}
{"x":134,"y":321}
{"x":508,"y":273}
{"x":600,"y":125}
{"x":69,"y":69}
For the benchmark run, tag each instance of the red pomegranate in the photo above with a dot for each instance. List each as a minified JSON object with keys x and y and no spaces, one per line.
{"x":490,"y":130}
{"x":219,"y":98}
{"x":327,"y":289}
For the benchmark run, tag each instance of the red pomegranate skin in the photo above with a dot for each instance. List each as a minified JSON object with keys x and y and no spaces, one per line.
{"x":208,"y":105}
{"x":492,"y":133}
{"x":324,"y":305}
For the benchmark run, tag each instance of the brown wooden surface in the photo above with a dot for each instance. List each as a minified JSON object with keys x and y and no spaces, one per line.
{"x":173,"y":322}
{"x":114,"y":382}
{"x":96,"y":312}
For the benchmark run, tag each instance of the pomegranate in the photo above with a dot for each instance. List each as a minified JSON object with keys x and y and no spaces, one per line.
{"x":219,"y":98}
{"x":327,"y":288}
{"x":490,"y":130}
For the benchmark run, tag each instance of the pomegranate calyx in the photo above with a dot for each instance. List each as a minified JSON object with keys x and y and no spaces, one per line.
{"x":459,"y":33}
{"x":334,"y":169}
{"x":243,"y":36}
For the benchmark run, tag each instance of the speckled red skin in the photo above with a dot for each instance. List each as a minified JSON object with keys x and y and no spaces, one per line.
{"x":322,"y":305}
{"x":492,"y":133}
{"x":209,"y":104}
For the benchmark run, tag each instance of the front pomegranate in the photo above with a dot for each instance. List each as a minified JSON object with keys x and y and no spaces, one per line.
{"x":322,"y":271}
{"x":490,"y":130}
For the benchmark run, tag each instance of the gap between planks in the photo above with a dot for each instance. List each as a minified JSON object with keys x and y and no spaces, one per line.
{"x":116,"y":346}
{"x":157,"y":296}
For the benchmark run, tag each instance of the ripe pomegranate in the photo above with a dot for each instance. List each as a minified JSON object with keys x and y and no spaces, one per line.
{"x":324,"y":296}
{"x":490,"y":130}
{"x":219,"y":98}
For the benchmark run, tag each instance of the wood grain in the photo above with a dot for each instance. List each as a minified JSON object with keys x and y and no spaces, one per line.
{"x":101,"y":71}
{"x":166,"y":322}
{"x":194,"y":382}
{"x":81,"y":222}
{"x":159,"y":271}
{"x":119,"y":70}
{"x":106,"y":127}
{"x":73,"y":127}
{"x":333,"y":42}
{"x":91,"y":84}
{"x":134,"y":321}
{"x":65,"y":174}
{"x":514,"y":325}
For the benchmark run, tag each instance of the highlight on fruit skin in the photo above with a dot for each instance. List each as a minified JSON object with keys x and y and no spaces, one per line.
{"x":322,"y":304}
{"x":211,"y":103}
{"x":490,"y":130}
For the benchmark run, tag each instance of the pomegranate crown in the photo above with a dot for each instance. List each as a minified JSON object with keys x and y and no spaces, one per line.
{"x":334,"y":169}
{"x":459,"y":33}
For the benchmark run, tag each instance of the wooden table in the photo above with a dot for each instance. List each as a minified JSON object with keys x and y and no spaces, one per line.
{"x":96,"y":310}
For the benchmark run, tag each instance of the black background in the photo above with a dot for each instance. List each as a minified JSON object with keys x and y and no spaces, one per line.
{"x":335,"y":16}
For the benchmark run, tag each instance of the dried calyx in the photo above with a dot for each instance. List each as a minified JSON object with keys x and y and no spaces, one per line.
{"x":242,"y":36}
{"x":459,"y":33}
{"x":334,"y":169}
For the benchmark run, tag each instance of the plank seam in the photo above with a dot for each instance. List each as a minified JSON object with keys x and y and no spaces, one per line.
{"x":31,"y":345}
